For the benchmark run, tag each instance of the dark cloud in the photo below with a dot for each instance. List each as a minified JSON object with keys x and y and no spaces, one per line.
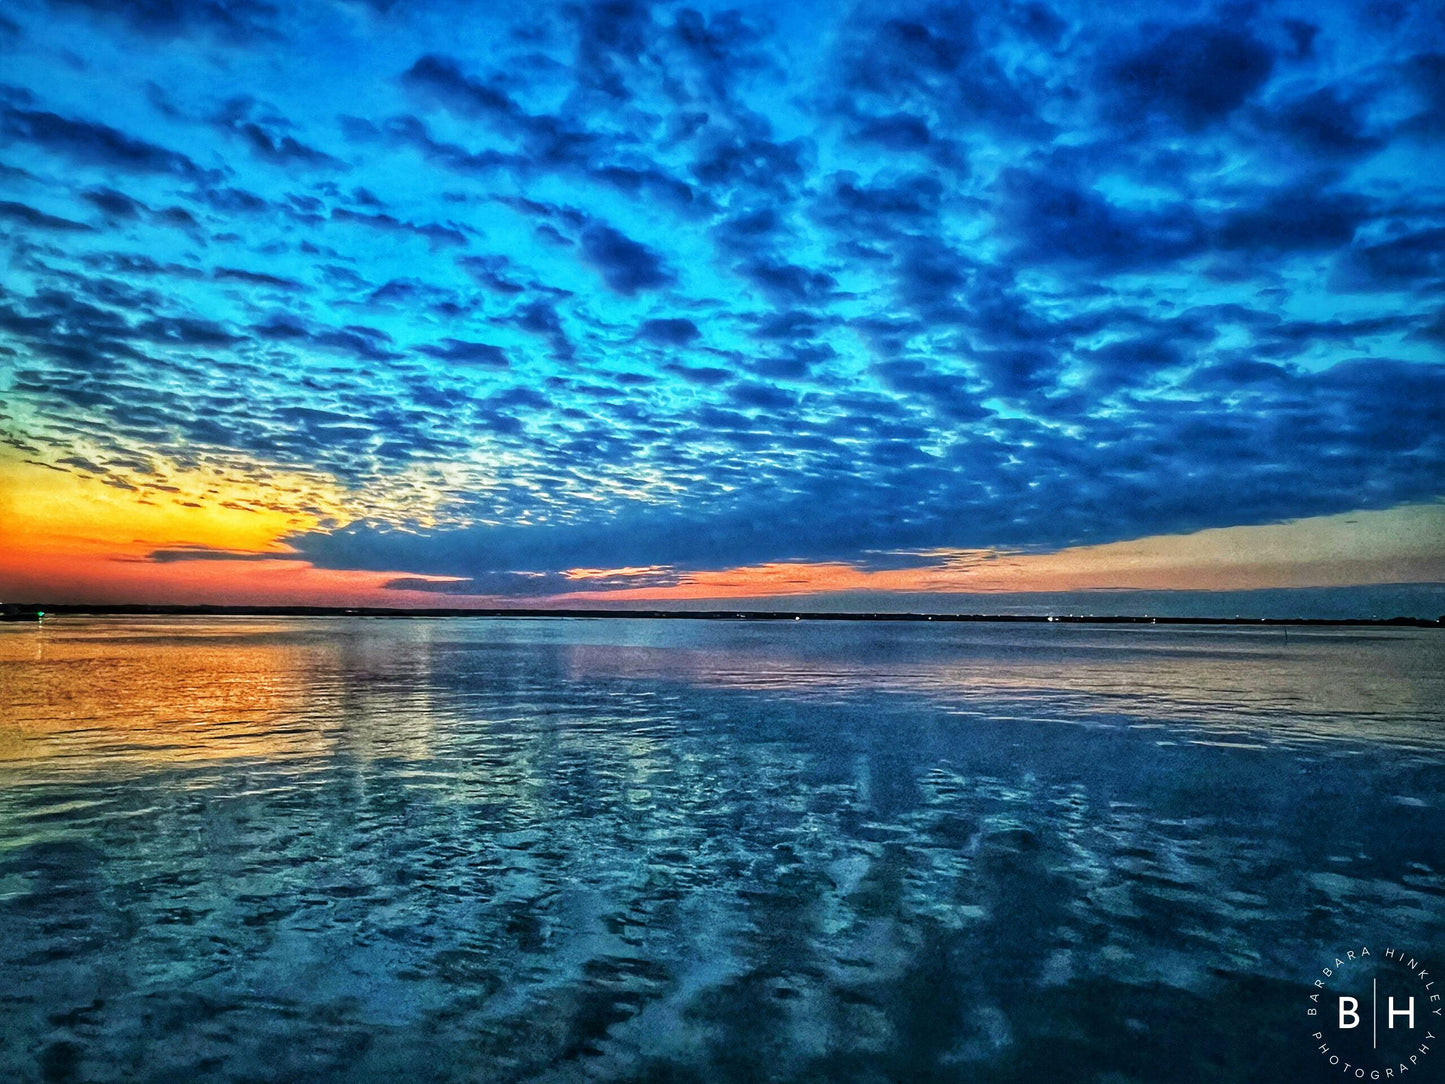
{"x":880,"y":209}
{"x":1243,"y":373}
{"x":611,"y":37}
{"x":949,"y":395}
{"x":492,"y":273}
{"x":461,"y":352}
{"x":638,"y":539}
{"x":670,"y":331}
{"x":236,"y":21}
{"x":202,"y":553}
{"x":89,"y":144}
{"x":127,"y":263}
{"x":1414,"y":259}
{"x":283,"y":150}
{"x":1326,"y":123}
{"x":653,"y":184}
{"x":112,"y":203}
{"x":1131,"y":361}
{"x":734,"y":159}
{"x":895,"y":131}
{"x":744,"y":233}
{"x":708,"y":375}
{"x":546,"y":141}
{"x":540,"y":317}
{"x":1302,"y":36}
{"x":624,"y":264}
{"x":1195,"y":74}
{"x":231,"y":201}
{"x":1425,"y":72}
{"x":256,"y":278}
{"x":441,"y":79}
{"x":406,"y":131}
{"x":1055,"y":220}
{"x":1295,"y":220}
{"x":788,"y":283}
{"x":24,"y":215}
{"x":185,"y":331}
{"x":365,"y":344}
{"x":904,"y":60}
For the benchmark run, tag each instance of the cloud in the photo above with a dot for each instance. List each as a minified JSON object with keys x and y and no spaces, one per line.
{"x":283,"y":150}
{"x":364,"y":344}
{"x":539,"y":317}
{"x":627,"y":266}
{"x":256,"y":278}
{"x":730,"y":159}
{"x":491,"y":272}
{"x":461,"y":352}
{"x":90,"y":144}
{"x":669,"y":331}
{"x":902,"y":60}
{"x":435,"y":234}
{"x":1295,"y":220}
{"x":441,"y":79}
{"x":1412,"y":260}
{"x":203,"y":553}
{"x":1054,"y":220}
{"x":788,"y":283}
{"x":1326,"y":123}
{"x":236,"y":21}
{"x":112,"y":203}
{"x":950,"y":395}
{"x":1195,"y":74}
{"x":25,"y":215}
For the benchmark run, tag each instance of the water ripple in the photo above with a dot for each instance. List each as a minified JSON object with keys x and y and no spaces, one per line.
{"x":508,"y":851}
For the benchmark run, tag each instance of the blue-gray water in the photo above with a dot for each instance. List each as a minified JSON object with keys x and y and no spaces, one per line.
{"x":520,"y":850}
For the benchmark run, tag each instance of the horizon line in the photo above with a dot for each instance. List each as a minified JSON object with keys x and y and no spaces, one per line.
{"x":23,"y":611}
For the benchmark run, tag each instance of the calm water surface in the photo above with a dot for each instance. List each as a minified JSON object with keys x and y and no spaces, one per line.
{"x":524,"y":850}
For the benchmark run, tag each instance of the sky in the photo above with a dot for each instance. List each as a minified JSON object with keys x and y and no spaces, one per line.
{"x":893,"y":305}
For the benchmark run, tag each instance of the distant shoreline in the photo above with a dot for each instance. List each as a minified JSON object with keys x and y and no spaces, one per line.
{"x":24,"y":611}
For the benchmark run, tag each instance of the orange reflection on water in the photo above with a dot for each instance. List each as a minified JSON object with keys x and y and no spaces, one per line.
{"x":183,"y":701}
{"x":78,"y":691}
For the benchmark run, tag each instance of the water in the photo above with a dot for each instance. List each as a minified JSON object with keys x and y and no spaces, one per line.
{"x":522,"y":850}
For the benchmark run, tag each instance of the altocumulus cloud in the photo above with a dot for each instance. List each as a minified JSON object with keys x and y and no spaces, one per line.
{"x":690,"y":286}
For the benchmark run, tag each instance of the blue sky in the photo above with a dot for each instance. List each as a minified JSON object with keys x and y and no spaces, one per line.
{"x":650,"y":290}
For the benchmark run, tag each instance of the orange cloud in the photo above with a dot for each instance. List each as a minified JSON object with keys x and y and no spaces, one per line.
{"x":1400,"y":545}
{"x":631,"y":571}
{"x":66,"y":537}
{"x":275,"y":582}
